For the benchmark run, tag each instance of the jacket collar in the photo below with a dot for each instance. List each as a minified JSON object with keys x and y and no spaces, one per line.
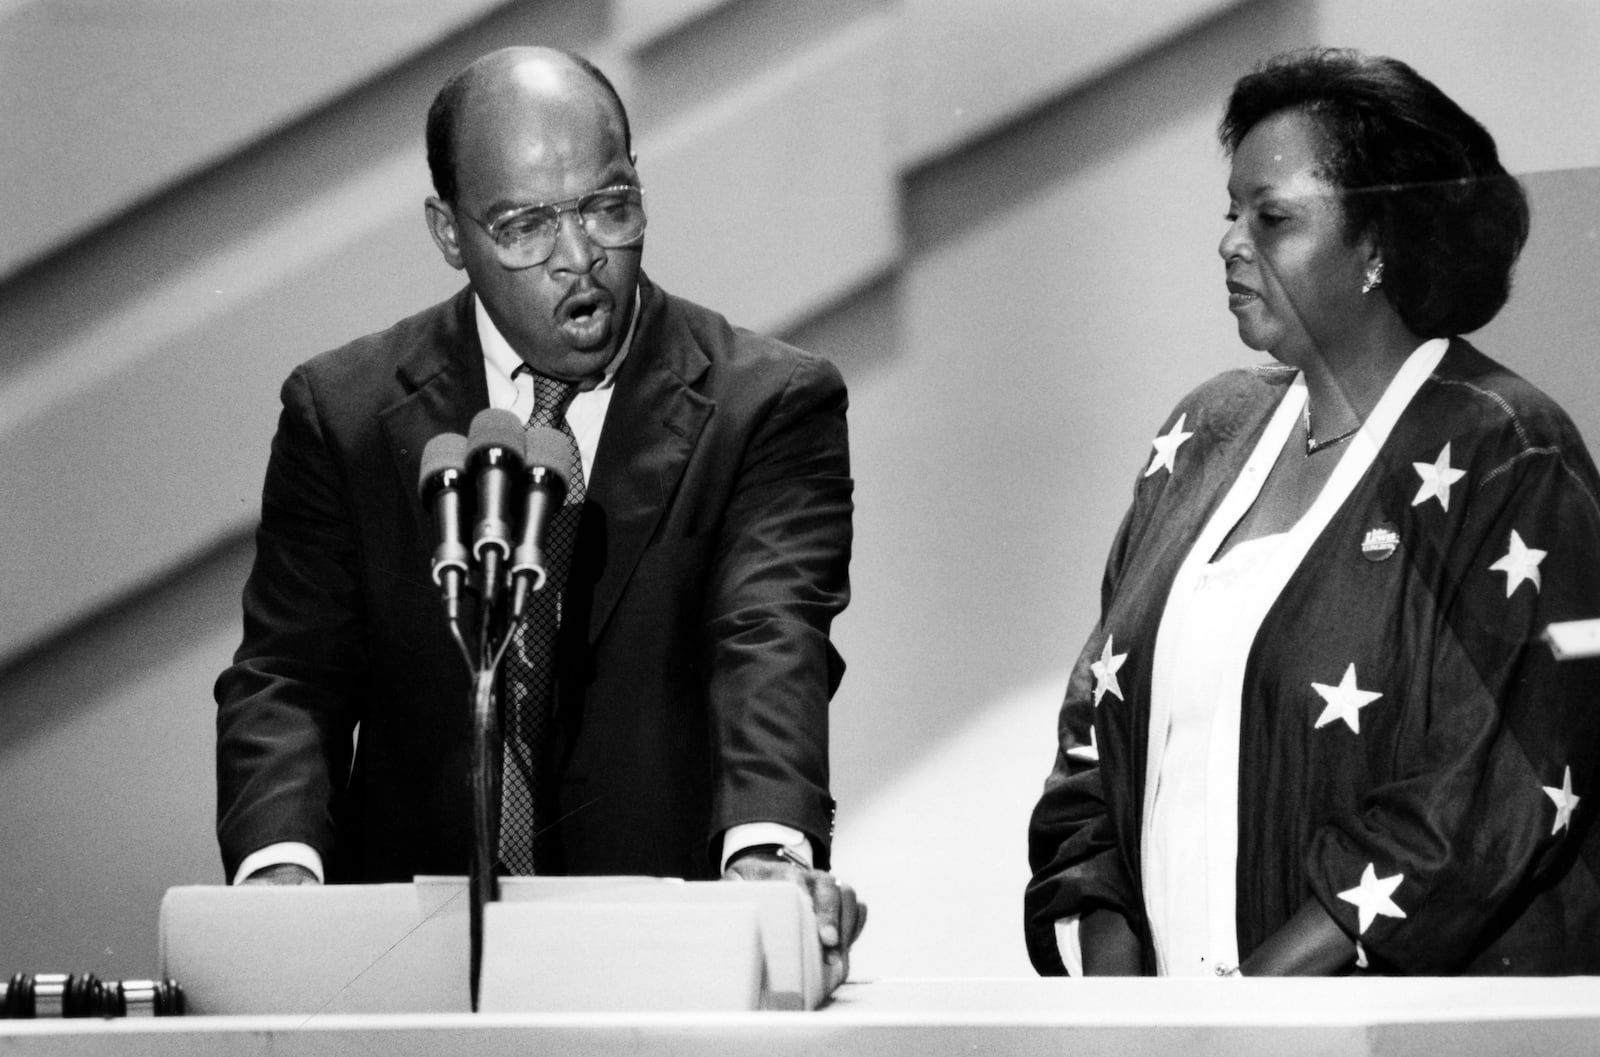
{"x":439,"y":371}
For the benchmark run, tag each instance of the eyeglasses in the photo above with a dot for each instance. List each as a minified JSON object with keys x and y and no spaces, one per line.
{"x":611,"y":217}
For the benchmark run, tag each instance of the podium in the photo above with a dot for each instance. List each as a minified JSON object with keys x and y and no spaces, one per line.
{"x":551,"y":944}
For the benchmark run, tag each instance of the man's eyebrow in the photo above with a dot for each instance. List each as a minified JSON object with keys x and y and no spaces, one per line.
{"x":504,"y":205}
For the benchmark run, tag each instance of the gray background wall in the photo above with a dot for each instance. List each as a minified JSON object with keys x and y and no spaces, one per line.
{"x":998,"y":217}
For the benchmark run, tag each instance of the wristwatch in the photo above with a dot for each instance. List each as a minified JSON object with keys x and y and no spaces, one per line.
{"x":777,"y":851}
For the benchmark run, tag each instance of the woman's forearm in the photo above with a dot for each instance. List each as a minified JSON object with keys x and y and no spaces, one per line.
{"x":1110,"y":947}
{"x":1309,"y":944}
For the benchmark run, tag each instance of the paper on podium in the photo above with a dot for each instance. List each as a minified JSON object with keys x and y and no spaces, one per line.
{"x":402,"y":948}
{"x":791,"y":952}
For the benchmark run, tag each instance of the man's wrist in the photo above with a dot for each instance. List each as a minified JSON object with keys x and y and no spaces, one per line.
{"x":755,"y":834}
{"x":775,"y":851}
{"x":279,"y":854}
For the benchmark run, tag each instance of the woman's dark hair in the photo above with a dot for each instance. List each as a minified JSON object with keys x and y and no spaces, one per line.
{"x":441,"y":128}
{"x":1415,"y":170}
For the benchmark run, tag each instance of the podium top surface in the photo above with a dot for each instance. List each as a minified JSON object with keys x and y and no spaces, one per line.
{"x":888,"y":1018}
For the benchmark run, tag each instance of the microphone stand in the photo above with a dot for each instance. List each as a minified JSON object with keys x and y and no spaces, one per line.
{"x":483,"y":886}
{"x":488,"y":760}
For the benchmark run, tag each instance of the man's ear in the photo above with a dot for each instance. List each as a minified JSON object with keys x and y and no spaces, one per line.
{"x":441,"y":219}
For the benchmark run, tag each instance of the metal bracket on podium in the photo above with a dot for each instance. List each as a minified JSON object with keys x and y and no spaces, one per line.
{"x":550,"y":944}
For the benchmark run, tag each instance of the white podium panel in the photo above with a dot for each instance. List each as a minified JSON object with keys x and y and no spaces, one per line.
{"x":1111,"y":1017}
{"x":552,"y":945}
{"x":399,"y":948}
{"x":791,"y":952}
{"x":556,"y":957}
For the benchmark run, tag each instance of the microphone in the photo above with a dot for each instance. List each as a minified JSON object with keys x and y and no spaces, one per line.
{"x":545,"y":456}
{"x":494,"y":457}
{"x":443,"y":476}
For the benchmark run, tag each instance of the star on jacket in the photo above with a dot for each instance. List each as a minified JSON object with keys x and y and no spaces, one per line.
{"x":1521,"y":562}
{"x":1372,"y":897}
{"x":1105,"y":673}
{"x":1345,"y":701}
{"x":1167,"y":446}
{"x":1565,"y":801}
{"x":1437,"y":477}
{"x":1090,"y":752}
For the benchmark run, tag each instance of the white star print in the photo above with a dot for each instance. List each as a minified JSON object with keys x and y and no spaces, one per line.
{"x":1371,"y":897}
{"x":1437,"y":477}
{"x":1345,"y":701}
{"x":1090,"y":751}
{"x":1105,"y":673}
{"x":1564,"y":799}
{"x":1167,"y":446}
{"x":1520,"y":563}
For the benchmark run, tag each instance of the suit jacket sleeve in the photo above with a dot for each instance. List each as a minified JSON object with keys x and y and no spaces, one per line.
{"x":778,"y":577}
{"x":1072,"y":838}
{"x":285,"y":707}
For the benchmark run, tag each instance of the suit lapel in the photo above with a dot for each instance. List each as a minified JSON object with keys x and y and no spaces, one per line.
{"x":442,"y":385}
{"x":652,"y":426}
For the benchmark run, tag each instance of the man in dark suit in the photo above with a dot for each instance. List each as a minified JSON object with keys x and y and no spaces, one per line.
{"x":693,"y":668}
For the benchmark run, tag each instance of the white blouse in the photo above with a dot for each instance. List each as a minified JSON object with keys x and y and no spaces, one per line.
{"x":1184,"y":910}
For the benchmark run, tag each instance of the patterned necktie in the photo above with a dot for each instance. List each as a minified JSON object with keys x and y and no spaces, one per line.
{"x":526,"y":800}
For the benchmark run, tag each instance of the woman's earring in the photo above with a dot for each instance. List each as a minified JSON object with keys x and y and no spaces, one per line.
{"x":1374,"y":277}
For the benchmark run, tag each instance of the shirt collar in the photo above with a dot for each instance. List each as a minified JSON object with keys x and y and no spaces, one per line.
{"x":501,"y":357}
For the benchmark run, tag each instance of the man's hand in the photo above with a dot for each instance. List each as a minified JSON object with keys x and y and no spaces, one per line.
{"x":840,"y":916}
{"x":284,"y":873}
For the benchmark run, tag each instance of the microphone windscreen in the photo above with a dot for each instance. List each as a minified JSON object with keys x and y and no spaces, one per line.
{"x":447,"y":451}
{"x":548,"y":447}
{"x":494,"y":427}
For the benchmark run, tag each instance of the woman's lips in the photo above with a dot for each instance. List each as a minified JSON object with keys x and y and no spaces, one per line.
{"x":1240,"y":295}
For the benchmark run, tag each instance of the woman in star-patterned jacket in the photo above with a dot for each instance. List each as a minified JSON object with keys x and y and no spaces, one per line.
{"x":1319,"y":727}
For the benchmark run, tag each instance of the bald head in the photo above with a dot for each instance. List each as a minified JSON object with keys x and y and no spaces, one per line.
{"x":571,"y":90}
